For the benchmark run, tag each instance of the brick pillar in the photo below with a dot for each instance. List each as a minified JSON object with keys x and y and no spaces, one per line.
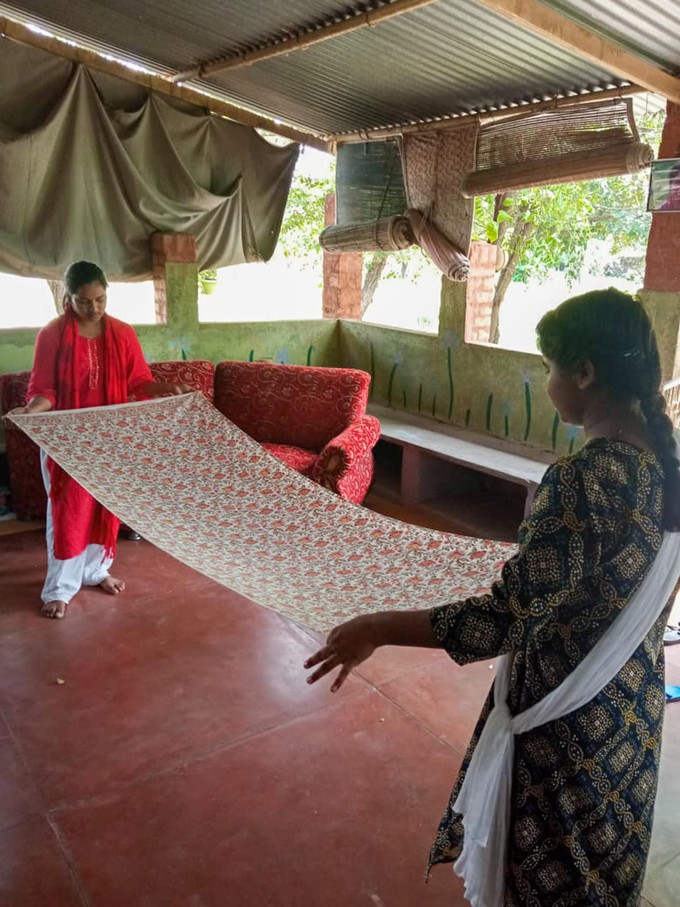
{"x":342,"y":276}
{"x":175,"y":278}
{"x":661,"y":293}
{"x":479,"y":292}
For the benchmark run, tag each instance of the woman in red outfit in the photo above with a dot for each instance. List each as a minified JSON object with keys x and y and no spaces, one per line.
{"x":83,"y":358}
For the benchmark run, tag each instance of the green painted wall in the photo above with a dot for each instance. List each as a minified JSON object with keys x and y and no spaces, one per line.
{"x":486,"y":388}
{"x":297,"y":342}
{"x":490,"y":390}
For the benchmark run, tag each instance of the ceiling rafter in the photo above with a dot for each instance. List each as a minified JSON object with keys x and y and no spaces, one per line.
{"x":308,"y":36}
{"x":487,"y":116}
{"x":580,"y":40}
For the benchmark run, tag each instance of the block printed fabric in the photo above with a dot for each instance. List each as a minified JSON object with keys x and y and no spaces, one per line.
{"x":193,"y":484}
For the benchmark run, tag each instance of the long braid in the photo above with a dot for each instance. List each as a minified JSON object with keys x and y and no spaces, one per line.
{"x":660,"y":427}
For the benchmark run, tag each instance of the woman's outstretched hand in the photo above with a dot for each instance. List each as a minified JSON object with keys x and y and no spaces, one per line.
{"x":17,"y":411}
{"x":166,"y":389}
{"x":346,"y":647}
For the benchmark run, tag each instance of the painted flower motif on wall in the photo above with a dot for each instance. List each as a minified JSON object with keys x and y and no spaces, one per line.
{"x":180,"y":347}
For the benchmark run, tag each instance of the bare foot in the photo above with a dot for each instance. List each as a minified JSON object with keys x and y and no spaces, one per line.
{"x":54,"y":609}
{"x":112,"y":585}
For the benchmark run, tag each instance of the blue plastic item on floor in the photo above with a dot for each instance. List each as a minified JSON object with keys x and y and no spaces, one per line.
{"x":672,"y":694}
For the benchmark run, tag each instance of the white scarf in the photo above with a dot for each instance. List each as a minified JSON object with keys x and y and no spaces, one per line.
{"x":484,"y":798}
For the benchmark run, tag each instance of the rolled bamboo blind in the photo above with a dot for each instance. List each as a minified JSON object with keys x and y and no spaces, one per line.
{"x":556,"y":146}
{"x":390,"y":234}
{"x":585,"y":165}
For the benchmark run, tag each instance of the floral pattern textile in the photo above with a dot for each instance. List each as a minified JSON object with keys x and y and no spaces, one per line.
{"x":583,"y":785}
{"x":195,"y":485}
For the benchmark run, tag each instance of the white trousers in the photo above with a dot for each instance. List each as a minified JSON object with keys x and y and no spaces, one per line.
{"x":65,"y":578}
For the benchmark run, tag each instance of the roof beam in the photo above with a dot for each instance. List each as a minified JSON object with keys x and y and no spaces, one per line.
{"x":304,"y":40}
{"x":154,"y":82}
{"x":485,"y":116}
{"x":558,"y":29}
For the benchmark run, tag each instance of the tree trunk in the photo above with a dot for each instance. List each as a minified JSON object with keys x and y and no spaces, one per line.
{"x":519,"y":241}
{"x":57,"y":289}
{"x":499,"y":205}
{"x":374,"y":272}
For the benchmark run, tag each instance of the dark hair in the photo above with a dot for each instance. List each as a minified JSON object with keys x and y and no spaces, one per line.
{"x":82,"y":272}
{"x":613,"y":331}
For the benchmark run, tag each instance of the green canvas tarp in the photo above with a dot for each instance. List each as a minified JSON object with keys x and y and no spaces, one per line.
{"x":91,"y":166}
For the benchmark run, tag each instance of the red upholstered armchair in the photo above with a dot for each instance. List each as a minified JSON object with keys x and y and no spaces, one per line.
{"x":313,"y":419}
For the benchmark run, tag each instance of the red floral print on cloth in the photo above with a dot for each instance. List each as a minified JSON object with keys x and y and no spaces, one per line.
{"x":196,"y":486}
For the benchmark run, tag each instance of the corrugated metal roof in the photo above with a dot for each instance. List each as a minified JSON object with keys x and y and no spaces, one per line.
{"x":424,"y":65}
{"x":448,"y":58}
{"x":648,"y":28}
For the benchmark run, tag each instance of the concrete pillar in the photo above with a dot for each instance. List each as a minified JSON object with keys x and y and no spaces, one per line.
{"x":661,"y":293}
{"x":465,"y":309}
{"x":175,"y":279}
{"x":342,"y":276}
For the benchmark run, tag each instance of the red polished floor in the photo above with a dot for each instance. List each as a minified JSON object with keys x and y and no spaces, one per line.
{"x":184,"y":761}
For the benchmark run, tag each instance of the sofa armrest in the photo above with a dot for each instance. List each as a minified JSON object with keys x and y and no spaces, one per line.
{"x":349,"y":447}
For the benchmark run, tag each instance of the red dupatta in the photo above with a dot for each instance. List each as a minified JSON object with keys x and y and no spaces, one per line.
{"x":78,"y":519}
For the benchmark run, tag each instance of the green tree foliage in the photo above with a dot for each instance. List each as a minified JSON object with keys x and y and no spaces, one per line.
{"x":548,"y":228}
{"x":303,"y":220}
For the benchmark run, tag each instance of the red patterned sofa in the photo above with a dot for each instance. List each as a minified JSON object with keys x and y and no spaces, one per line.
{"x":314,"y":419}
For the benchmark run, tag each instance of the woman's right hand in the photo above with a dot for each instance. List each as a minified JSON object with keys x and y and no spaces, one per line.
{"x":17,"y":411}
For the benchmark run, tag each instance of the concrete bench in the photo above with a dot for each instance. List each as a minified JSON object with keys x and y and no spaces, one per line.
{"x":440,"y":460}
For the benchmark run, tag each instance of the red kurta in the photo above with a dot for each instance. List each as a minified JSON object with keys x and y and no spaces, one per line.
{"x":74,"y":372}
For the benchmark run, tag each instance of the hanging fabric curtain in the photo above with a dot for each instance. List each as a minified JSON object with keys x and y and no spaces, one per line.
{"x":91,"y":168}
{"x":391,"y":234}
{"x":561,"y":145}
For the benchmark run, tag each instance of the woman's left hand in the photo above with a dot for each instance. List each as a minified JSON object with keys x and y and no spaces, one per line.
{"x":164,"y":389}
{"x":177,"y":389}
{"x":346,"y":647}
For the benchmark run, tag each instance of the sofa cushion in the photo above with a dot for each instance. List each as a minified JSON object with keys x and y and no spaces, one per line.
{"x":29,"y":500}
{"x":290,"y":404}
{"x":198,"y":373}
{"x":298,"y":459}
{"x":13,"y":388}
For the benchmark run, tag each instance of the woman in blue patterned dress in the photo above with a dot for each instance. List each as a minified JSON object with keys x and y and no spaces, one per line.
{"x":584,"y":785}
